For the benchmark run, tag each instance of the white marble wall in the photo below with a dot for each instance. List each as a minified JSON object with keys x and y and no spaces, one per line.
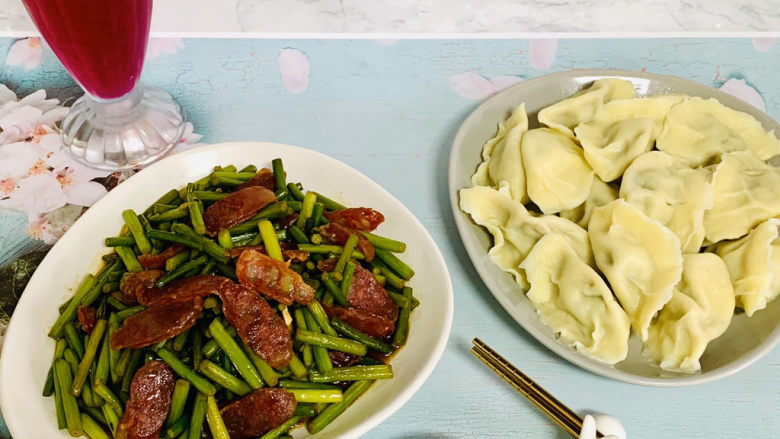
{"x":446,"y":16}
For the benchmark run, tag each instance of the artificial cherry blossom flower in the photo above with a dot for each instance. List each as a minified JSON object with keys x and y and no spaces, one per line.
{"x":27,"y":52}
{"x":188,"y":140}
{"x":541,"y":52}
{"x":158,"y":46}
{"x":740,"y":89}
{"x":294,"y":68}
{"x":37,"y":176}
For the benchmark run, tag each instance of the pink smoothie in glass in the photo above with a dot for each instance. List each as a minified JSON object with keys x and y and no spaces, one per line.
{"x":101,"y":42}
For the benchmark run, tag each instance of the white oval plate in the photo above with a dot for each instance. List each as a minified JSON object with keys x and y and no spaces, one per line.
{"x":745,"y":341}
{"x":28,"y":351}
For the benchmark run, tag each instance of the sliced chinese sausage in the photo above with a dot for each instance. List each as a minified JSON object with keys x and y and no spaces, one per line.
{"x":183,"y":289}
{"x":133,"y":285}
{"x":157,"y":323}
{"x":327,"y":265}
{"x":272,"y":278}
{"x":372,"y":311}
{"x":289,"y":254}
{"x":258,"y":412}
{"x":286,"y":222}
{"x":367,"y":294}
{"x":236,"y":208}
{"x":158,"y":260}
{"x":87,"y":317}
{"x":335,"y":233}
{"x":151,"y":392}
{"x":360,"y":218}
{"x":264,"y":178}
{"x":363,"y":321}
{"x":257,"y":324}
{"x":295,"y":255}
{"x":342,"y":359}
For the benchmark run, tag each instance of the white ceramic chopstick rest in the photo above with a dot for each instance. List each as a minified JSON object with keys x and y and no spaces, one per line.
{"x":610,"y":427}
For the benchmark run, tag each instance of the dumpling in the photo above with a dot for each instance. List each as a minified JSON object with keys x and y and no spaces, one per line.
{"x":668,"y":191}
{"x":621,"y":130}
{"x":557,"y":175}
{"x":573,"y":300}
{"x":600,"y":194}
{"x":746,"y":191}
{"x":754,"y":265}
{"x":501,"y":157}
{"x":481,"y":177}
{"x":700,"y":311}
{"x":609,"y":149}
{"x":514,"y":230}
{"x":640,"y":258}
{"x":654,"y":107}
{"x":700,"y":130}
{"x":568,"y":113}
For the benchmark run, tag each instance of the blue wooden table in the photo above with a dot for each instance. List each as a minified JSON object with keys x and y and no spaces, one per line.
{"x":391,"y":109}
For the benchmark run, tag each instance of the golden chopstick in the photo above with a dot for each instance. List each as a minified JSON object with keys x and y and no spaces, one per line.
{"x":566,"y":418}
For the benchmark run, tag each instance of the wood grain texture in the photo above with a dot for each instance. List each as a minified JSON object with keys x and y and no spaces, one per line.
{"x":391,"y":112}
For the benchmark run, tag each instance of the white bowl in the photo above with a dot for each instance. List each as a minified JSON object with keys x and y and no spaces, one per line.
{"x":27,"y":351}
{"x":745,"y":341}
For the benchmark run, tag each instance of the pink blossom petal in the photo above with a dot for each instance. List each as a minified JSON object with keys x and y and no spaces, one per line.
{"x":25,"y":52}
{"x":84,"y":193}
{"x":6,"y":95}
{"x":158,"y":46}
{"x":17,"y":158}
{"x":471,"y":85}
{"x":39,"y":101}
{"x":294,"y":68}
{"x":189,"y":135}
{"x":189,"y":139}
{"x":62,"y":163}
{"x":503,"y":82}
{"x":740,"y":89}
{"x":11,"y":134}
{"x":53,"y":116}
{"x":7,"y":187}
{"x":35,"y":195}
{"x":764,"y":44}
{"x":541,"y":52}
{"x":21,"y":121}
{"x":50,"y":143}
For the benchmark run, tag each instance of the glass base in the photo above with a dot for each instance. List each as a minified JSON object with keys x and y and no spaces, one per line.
{"x":125,"y":133}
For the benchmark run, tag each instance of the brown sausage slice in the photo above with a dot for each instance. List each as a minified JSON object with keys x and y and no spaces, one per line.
{"x":133,"y":285}
{"x":335,"y":233}
{"x":158,"y":260}
{"x":257,"y":324}
{"x":372,"y":310}
{"x":366,"y":293}
{"x":236,"y":208}
{"x":264,"y":178}
{"x":87,"y":317}
{"x":359,"y":218}
{"x":151,"y":392}
{"x":363,"y":321}
{"x":272,"y":278}
{"x":342,"y":359}
{"x":157,"y":323}
{"x":182,"y":290}
{"x":258,"y":412}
